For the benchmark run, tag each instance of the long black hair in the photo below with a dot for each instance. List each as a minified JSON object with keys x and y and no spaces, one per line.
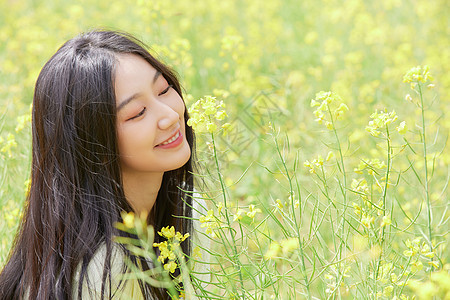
{"x":76,"y":192}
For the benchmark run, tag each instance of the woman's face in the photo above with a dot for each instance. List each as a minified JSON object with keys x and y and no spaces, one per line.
{"x":150,"y":119}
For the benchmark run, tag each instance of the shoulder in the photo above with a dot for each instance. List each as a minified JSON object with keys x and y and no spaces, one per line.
{"x":201,"y":242}
{"x":92,"y":283}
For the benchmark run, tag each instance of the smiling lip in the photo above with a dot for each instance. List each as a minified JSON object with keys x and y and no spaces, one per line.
{"x":172,"y":142}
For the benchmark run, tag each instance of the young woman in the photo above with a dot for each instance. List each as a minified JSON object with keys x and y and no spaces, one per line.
{"x":110,"y":134}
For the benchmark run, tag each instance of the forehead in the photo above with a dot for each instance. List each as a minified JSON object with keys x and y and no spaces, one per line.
{"x":132,"y":65}
{"x":133,"y":74}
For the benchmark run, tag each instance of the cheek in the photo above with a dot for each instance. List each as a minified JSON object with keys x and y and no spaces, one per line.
{"x":122,"y":142}
{"x":137,"y":136}
{"x":128,"y":139}
{"x":179,"y":106}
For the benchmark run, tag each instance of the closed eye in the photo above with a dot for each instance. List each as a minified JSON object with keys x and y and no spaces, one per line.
{"x":165,"y":90}
{"x":138,"y":115}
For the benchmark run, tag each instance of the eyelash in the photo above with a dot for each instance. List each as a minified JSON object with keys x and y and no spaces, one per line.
{"x":139,"y":114}
{"x":145,"y":108}
{"x":165,"y":90}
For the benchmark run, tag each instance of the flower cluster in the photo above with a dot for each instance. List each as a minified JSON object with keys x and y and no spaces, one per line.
{"x":252,"y":211}
{"x":380,"y":120}
{"x":418,"y":75}
{"x":324,"y":112}
{"x":371,"y":166}
{"x":205,"y":112}
{"x":166,"y":248}
{"x":367,"y":209}
{"x":280,"y":205}
{"x":210,"y":222}
{"x":416,"y":249}
{"x":415,"y":77}
{"x":317,"y":163}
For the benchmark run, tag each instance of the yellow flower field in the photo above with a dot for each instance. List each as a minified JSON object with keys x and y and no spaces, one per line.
{"x":322,"y":135}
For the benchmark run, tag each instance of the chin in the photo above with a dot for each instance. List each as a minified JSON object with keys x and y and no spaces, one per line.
{"x":182,"y":160}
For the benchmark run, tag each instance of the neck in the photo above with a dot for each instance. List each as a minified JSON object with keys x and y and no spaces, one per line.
{"x":141,"y":190}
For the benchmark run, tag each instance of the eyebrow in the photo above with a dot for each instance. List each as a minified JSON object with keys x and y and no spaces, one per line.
{"x":134,"y":96}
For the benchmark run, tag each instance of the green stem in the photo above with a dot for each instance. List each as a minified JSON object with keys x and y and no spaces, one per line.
{"x":341,"y":156}
{"x":427,"y":193}
{"x":388,"y":168}
{"x":291,"y":192}
{"x":236,"y":262}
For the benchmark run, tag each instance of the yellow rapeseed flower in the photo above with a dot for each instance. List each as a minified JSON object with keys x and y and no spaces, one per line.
{"x":252,"y":211}
{"x":330,"y":156}
{"x":387,"y":291}
{"x":434,"y":263}
{"x":128,"y":220}
{"x":310,"y":166}
{"x":273,"y":251}
{"x":402,"y":128}
{"x":226,"y":128}
{"x":219,"y":207}
{"x":209,"y":222}
{"x":238,"y":214}
{"x":279,"y":203}
{"x":211,"y":127}
{"x":197,"y":253}
{"x":386,"y":221}
{"x":324,"y":101}
{"x":408,"y":253}
{"x":416,"y":266}
{"x":220,"y":115}
{"x":171,"y":266}
{"x":357,"y":209}
{"x":367,"y":220}
{"x":379,"y":121}
{"x":418,"y":74}
{"x":167,"y":232}
{"x":180,"y":237}
{"x":289,"y":245}
{"x":204,"y":112}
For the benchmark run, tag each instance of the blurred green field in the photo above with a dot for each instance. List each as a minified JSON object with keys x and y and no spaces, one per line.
{"x":266,"y":60}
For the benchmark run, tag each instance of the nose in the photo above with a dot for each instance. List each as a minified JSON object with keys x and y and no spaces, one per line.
{"x":168,"y":117}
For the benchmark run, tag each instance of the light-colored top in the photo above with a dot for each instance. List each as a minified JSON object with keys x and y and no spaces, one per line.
{"x":130,"y":289}
{"x":92,"y":289}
